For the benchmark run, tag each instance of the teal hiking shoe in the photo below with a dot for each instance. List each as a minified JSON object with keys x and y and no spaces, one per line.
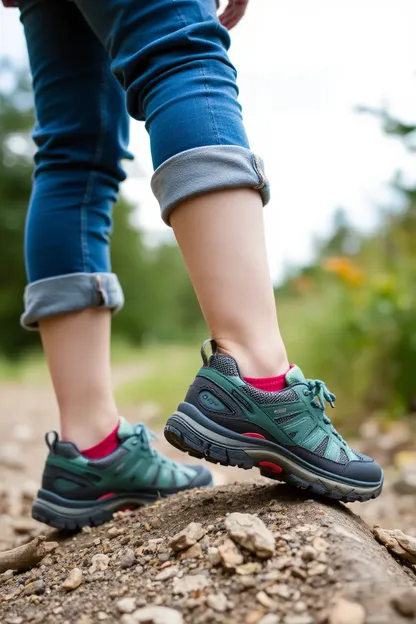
{"x":285,"y":434}
{"x":77,"y":491}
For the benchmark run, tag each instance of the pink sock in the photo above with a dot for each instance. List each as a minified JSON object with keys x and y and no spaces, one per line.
{"x":270,"y":384}
{"x":103,"y":448}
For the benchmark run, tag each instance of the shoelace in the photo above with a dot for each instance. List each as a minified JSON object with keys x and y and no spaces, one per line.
{"x":146,"y":437}
{"x":320,"y":393}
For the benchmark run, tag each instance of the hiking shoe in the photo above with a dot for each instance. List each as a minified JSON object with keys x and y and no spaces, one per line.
{"x":286,"y":434}
{"x":77,"y":491}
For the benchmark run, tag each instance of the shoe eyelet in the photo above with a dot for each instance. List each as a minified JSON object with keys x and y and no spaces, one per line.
{"x":134,"y":442}
{"x":306,"y":392}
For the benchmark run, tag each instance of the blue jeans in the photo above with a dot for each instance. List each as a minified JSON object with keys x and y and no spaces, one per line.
{"x":94,"y":62}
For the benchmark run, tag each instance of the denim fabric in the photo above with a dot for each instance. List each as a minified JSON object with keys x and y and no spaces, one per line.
{"x":167,"y":60}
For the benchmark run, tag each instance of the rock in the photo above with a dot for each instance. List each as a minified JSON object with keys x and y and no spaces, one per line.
{"x":282,"y":590}
{"x":102,"y":615}
{"x":320,"y":545}
{"x":36,"y":588}
{"x":401,"y":545}
{"x":301,"y":619}
{"x":253,"y":617}
{"x":346,"y":612}
{"x":217,"y":602}
{"x":167,"y":573}
{"x":10,"y":456}
{"x":230,"y":555}
{"x":252,"y":567}
{"x":251,"y":533}
{"x":308,"y":553}
{"x":154,"y":615}
{"x":190,"y":583}
{"x":13,"y":620}
{"x":128,"y":558}
{"x":156,"y":522}
{"x":213,"y":556}
{"x":73,"y":580}
{"x":265,"y":600}
{"x":406,"y":481}
{"x":193,"y":552}
{"x":6,"y":576}
{"x":404,"y":601}
{"x":99,"y":563}
{"x":189,"y":536}
{"x":22,"y":526}
{"x":126,"y":605}
{"x":114,"y":532}
{"x":270,"y":618}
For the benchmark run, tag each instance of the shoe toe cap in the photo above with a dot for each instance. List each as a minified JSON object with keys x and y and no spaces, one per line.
{"x":366,"y":470}
{"x":203,"y":476}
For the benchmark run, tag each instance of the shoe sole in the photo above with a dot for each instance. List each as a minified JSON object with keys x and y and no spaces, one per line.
{"x":70,"y":515}
{"x":193,"y":433}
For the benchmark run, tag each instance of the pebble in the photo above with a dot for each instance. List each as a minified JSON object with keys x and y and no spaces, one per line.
{"x":101,"y":615}
{"x":308,"y":553}
{"x":251,"y":533}
{"x":346,"y":612}
{"x":193,"y":552}
{"x":301,"y":619}
{"x":128,"y":558}
{"x":167,"y":573}
{"x":36,"y":588}
{"x":13,"y":620}
{"x":73,"y":580}
{"x":153,"y":615}
{"x":6,"y":576}
{"x":189,"y":536}
{"x":252,"y":567}
{"x":282,"y":590}
{"x":213,"y":556}
{"x":404,"y":601}
{"x":217,"y":602}
{"x":114,"y":532}
{"x":99,"y":563}
{"x":190,"y":583}
{"x":270,"y":618}
{"x":126,"y":605}
{"x":265,"y":600}
{"x":230,"y":555}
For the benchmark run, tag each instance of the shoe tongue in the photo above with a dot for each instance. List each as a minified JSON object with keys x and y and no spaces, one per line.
{"x":294,"y":375}
{"x":125,"y":429}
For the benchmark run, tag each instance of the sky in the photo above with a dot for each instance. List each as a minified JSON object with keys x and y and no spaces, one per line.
{"x":303,"y":68}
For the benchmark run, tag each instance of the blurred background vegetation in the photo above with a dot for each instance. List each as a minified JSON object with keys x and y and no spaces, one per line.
{"x":348,"y":318}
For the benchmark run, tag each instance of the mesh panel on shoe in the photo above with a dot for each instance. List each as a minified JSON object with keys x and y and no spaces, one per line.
{"x":283,"y":419}
{"x":343,"y":457}
{"x":224,"y":364}
{"x":321,"y":448}
{"x":270,"y":398}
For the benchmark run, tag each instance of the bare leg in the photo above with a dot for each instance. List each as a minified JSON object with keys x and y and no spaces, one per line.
{"x":77,"y":348}
{"x":221,"y":235}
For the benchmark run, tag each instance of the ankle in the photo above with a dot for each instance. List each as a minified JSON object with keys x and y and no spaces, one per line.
{"x":265,"y":361}
{"x":88,"y":427}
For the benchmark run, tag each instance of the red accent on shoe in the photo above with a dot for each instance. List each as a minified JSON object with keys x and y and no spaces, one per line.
{"x":109,"y":495}
{"x":272,"y":467}
{"x":255,"y":435}
{"x":103,"y":448}
{"x":270,"y":384}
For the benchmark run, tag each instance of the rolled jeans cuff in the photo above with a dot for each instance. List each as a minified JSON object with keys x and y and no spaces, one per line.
{"x":70,"y":293}
{"x":205,"y":169}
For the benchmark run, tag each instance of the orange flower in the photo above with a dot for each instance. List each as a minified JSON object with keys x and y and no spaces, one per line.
{"x":345,"y":269}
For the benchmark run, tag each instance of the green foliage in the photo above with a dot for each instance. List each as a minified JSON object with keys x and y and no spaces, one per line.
{"x":350,"y":317}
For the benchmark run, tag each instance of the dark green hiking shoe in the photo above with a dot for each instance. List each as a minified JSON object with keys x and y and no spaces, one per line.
{"x":77,"y":491}
{"x":286,"y":434}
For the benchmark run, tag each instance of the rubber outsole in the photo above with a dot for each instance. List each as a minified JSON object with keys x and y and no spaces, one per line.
{"x":65,"y":516}
{"x":199,"y":441}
